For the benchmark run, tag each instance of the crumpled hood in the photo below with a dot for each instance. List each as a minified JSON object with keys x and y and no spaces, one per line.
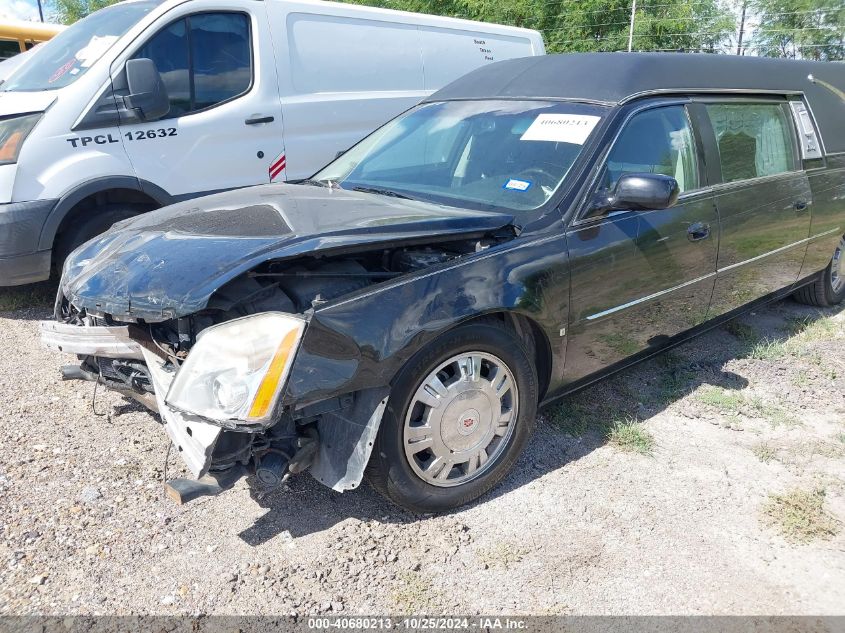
{"x":167,"y":263}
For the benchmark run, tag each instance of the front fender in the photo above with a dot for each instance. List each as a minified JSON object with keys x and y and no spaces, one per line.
{"x":363,"y":341}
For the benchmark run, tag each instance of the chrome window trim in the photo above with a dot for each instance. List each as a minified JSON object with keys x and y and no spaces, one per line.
{"x":700,"y":91}
{"x":717,"y":272}
{"x":579,"y":221}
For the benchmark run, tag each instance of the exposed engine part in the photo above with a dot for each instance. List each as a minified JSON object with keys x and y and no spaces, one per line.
{"x":245,"y":295}
{"x":77,"y":372}
{"x":232,"y":449}
{"x":410,"y":260}
{"x":308,"y":291}
{"x":270,"y":470}
{"x":307,"y":446}
{"x":134,"y":374}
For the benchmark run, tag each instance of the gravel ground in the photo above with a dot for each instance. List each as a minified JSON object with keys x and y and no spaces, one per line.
{"x":720,"y":489}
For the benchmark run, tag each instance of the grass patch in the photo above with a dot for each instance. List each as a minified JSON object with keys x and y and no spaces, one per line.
{"x":722,"y":399}
{"x":800,"y":516}
{"x":676,"y":381}
{"x":415,"y":594}
{"x":41,"y":295}
{"x":768,"y":350}
{"x":630,"y":436}
{"x":742,"y":331}
{"x":732,"y":404}
{"x":503,"y":555}
{"x":763,"y":452}
{"x":772,"y":413}
{"x":801,"y":378}
{"x":570,"y":417}
{"x":812,"y":328}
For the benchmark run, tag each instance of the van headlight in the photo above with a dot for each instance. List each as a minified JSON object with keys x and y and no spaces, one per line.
{"x":13,"y":132}
{"x":236,"y":370}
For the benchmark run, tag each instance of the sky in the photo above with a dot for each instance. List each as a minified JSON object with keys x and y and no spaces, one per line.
{"x":19,"y":9}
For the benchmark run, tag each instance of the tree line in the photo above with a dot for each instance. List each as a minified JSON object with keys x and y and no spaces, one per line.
{"x":805,"y":29}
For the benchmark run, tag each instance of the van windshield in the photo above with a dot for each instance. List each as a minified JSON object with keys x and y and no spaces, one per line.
{"x":485,"y":155}
{"x":65,"y":58}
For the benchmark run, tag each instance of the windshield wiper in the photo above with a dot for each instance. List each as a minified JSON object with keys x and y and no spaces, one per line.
{"x":382,"y":192}
{"x":316,"y":183}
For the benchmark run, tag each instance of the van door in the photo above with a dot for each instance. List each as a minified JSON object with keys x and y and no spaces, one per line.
{"x":763,"y":198}
{"x":224,"y":128}
{"x":640,"y":277}
{"x":342,"y":77}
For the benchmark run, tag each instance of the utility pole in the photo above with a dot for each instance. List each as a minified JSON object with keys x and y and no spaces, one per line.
{"x":741,"y":29}
{"x":631,"y":30}
{"x":40,"y":10}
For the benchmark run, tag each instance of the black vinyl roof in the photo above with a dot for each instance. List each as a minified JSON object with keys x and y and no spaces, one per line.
{"x":613,"y":78}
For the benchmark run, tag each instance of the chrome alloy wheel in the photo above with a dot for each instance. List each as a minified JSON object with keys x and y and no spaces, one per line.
{"x":460,"y":419}
{"x":837,"y":268}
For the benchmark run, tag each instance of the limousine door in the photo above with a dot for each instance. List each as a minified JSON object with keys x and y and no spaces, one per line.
{"x":762,"y":195}
{"x":640,"y":277}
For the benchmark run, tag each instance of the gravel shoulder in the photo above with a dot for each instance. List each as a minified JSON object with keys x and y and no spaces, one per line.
{"x":710,"y":480}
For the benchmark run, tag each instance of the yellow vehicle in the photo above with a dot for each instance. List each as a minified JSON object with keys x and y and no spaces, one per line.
{"x":18,"y":37}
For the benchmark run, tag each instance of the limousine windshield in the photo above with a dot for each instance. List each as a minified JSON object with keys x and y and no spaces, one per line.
{"x":485,"y":155}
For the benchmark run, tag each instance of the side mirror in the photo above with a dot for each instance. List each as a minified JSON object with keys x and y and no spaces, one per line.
{"x":147,"y":92}
{"x":638,"y":192}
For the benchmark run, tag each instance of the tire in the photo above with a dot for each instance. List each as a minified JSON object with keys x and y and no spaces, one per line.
{"x":80,"y":231}
{"x":468,"y":419}
{"x":829,"y":287}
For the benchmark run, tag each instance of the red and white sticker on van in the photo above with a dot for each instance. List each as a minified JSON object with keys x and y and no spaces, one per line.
{"x":277,"y":167}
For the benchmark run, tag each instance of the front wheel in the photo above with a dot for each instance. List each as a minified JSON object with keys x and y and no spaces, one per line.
{"x":460,"y":413}
{"x":829,"y":288}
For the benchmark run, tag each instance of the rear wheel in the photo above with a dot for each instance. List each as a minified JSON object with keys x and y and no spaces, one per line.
{"x":459,"y":415}
{"x":829,"y":288}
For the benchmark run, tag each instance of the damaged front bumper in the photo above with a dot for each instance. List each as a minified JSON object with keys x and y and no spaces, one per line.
{"x":87,"y":340}
{"x":193,"y":437}
{"x":343,"y":428}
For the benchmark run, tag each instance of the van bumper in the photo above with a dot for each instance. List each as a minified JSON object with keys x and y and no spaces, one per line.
{"x":20,"y":229}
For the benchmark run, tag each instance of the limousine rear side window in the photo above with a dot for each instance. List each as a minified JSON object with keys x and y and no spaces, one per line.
{"x":753,"y":139}
{"x":657,"y":141}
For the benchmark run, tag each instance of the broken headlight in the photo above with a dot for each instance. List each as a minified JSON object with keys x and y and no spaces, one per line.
{"x":237,"y":370}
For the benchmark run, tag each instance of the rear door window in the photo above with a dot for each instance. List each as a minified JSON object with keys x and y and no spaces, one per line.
{"x":204,"y":59}
{"x":657,"y":141}
{"x":753,"y":140}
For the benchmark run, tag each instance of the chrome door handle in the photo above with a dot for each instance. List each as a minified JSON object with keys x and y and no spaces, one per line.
{"x":698,"y":231}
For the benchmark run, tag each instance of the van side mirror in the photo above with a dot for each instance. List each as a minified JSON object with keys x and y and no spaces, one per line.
{"x":147,"y":92}
{"x":638,"y":192}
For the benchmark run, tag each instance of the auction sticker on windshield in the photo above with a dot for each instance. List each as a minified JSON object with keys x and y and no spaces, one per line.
{"x":561,"y":128}
{"x":517,"y":185}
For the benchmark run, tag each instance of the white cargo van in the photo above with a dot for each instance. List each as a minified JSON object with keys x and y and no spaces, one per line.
{"x":150,"y":102}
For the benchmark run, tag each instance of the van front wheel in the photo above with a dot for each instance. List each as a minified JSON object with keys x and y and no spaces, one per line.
{"x":91,"y":225}
{"x":459,"y":415}
{"x":829,"y":288}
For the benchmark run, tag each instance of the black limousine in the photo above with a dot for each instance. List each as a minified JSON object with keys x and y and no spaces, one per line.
{"x":404,"y":311}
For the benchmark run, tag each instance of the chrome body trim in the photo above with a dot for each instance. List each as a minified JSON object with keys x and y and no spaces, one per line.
{"x":719,"y":271}
{"x":86,"y":340}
